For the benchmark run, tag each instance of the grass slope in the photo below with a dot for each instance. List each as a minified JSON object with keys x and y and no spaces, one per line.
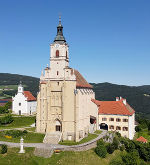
{"x":86,"y":139}
{"x":30,"y":137}
{"x":19,"y":122}
{"x":64,"y":158}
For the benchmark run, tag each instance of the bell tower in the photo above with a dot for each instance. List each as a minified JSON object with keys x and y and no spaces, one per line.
{"x":59,"y":54}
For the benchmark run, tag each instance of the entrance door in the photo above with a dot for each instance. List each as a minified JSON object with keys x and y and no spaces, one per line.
{"x":19,"y":112}
{"x":58,"y":128}
{"x":58,"y":125}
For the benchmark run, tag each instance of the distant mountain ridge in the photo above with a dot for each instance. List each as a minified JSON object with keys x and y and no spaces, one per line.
{"x":31,"y":83}
{"x":137,"y":96}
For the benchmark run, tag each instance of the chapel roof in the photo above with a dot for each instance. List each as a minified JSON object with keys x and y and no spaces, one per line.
{"x":81,"y":82}
{"x":114,"y":107}
{"x":29,"y":96}
{"x":141,"y":139}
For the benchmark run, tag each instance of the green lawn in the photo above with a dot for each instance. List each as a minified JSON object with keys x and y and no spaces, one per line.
{"x":30,"y":137}
{"x":31,"y":129}
{"x":64,"y":158}
{"x":86,"y":139}
{"x":98,"y":132}
{"x":20,"y":122}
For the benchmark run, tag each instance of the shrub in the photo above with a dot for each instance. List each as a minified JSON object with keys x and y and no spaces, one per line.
{"x":14,"y":133}
{"x":115,"y":143}
{"x":100,"y":142}
{"x":3,"y":148}
{"x":101,"y":151}
{"x":122,"y":148}
{"x":25,"y":132}
{"x":130,"y":158}
{"x":130,"y":146}
{"x":6,"y":119}
{"x":118,"y":134}
{"x":110,"y":148}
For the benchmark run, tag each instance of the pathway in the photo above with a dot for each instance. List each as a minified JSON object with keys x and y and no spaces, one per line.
{"x":53,"y":146}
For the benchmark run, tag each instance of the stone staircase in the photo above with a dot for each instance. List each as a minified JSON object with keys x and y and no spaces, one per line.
{"x":52,"y":138}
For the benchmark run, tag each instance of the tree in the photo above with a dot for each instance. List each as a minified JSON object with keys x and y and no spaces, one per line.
{"x":110,"y":148}
{"x":101,"y":151}
{"x":130,"y":146}
{"x":115,"y":143}
{"x":6,"y":119}
{"x":138,"y":128}
{"x":131,"y":158}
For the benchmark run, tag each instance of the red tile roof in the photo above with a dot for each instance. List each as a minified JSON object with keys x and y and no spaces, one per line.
{"x":141,"y":139}
{"x":29,"y":96}
{"x":2,"y":104}
{"x":43,"y":82}
{"x":81,"y":82}
{"x":114,"y":107}
{"x":5,"y":100}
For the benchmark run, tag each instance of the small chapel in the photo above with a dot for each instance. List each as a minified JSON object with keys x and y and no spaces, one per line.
{"x":23,"y":103}
{"x":64,"y":101}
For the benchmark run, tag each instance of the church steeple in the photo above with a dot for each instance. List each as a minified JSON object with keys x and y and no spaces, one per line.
{"x":59,"y":37}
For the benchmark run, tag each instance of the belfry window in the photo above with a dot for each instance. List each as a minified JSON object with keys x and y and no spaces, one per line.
{"x":57,"y":53}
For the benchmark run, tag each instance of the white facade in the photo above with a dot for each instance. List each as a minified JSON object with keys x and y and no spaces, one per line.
{"x":21,"y":105}
{"x":131,"y":126}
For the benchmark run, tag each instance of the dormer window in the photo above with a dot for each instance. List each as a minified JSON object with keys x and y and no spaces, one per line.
{"x":57,"y":53}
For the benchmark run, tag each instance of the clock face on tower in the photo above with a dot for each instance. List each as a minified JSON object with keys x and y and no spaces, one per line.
{"x":57,"y":45}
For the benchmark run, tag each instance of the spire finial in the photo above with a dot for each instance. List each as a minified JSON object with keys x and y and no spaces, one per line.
{"x":59,"y":18}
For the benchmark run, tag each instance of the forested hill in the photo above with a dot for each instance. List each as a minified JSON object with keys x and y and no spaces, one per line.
{"x":10,"y":81}
{"x":138,"y":97}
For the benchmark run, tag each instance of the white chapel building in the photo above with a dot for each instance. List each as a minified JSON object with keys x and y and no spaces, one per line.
{"x":24,"y":103}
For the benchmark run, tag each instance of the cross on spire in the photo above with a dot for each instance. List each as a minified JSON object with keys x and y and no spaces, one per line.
{"x":59,"y":37}
{"x":59,"y":18}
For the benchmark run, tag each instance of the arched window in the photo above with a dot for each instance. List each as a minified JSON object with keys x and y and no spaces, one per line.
{"x":66,"y":54}
{"x":57,"y":53}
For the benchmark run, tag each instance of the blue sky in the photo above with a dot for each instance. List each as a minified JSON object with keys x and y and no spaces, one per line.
{"x":109,"y":39}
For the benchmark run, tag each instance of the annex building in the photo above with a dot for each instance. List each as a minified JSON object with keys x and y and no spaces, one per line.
{"x":64,"y":103}
{"x":116,"y":116}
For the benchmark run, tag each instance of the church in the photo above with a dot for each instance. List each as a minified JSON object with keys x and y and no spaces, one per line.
{"x":64,"y":101}
{"x":23,"y":103}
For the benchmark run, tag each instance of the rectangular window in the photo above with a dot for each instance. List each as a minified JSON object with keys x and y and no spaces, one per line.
{"x":125,"y":128}
{"x":104,"y":119}
{"x":118,"y":128}
{"x":111,"y":119}
{"x":111,"y":127}
{"x":118,"y":120}
{"x":125,"y":120}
